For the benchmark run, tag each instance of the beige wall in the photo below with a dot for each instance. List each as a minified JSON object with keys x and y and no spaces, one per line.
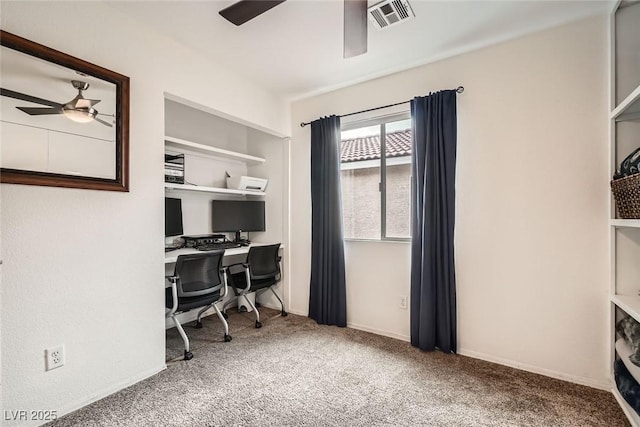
{"x":531,"y":233}
{"x":85,"y":268}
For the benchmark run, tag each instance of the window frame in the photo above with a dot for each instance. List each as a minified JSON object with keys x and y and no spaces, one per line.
{"x":381,"y":121}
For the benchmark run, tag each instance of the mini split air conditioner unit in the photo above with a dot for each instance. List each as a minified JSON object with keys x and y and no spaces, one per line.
{"x":390,"y":12}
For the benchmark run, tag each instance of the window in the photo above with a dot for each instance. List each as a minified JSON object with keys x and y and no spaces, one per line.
{"x":376,"y":178}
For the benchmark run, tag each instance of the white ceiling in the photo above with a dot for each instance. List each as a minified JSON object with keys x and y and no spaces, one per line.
{"x":295,"y":49}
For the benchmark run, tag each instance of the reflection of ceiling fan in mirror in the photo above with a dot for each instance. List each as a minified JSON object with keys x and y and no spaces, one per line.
{"x":79,"y":109}
{"x":355,"y":20}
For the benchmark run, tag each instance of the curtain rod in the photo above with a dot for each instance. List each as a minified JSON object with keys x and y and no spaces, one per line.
{"x":459,"y":89}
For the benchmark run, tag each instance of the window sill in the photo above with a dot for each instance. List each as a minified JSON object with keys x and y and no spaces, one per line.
{"x":404,"y":241}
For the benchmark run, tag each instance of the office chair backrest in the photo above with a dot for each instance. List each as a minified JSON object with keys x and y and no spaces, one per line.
{"x":263,"y":261}
{"x":199,"y":273}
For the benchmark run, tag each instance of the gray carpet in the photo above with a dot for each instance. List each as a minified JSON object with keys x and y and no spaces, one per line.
{"x":293,"y":372}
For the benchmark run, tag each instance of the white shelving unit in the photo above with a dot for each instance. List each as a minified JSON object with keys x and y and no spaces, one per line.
{"x":208,"y":150}
{"x":630,"y":304}
{"x":625,"y":223}
{"x":187,"y":187}
{"x":624,"y":121}
{"x":632,"y":415}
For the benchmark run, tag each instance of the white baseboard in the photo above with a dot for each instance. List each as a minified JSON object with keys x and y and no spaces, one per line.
{"x":298,"y":312}
{"x":361,"y":327}
{"x":108,"y":391}
{"x":378,"y":331}
{"x":589,"y":382}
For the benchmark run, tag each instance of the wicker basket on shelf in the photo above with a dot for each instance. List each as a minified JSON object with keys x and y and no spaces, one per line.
{"x":626,"y":191}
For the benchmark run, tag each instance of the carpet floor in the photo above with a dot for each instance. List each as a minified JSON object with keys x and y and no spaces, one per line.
{"x":293,"y":372}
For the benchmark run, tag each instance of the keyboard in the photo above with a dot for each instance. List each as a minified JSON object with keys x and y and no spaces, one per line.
{"x":218,"y":246}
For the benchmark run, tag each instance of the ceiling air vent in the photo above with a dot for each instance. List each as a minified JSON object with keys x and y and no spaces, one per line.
{"x":389,"y":12}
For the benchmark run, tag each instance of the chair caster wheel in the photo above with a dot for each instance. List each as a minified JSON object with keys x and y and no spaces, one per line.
{"x":258,"y":324}
{"x":198,"y":325}
{"x":284,"y":313}
{"x":188,"y":355}
{"x":227,"y":338}
{"x":257,"y":304}
{"x":225,"y":315}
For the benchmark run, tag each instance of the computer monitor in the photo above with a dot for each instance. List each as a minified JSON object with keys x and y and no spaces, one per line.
{"x":172,"y":217}
{"x":237,"y":215}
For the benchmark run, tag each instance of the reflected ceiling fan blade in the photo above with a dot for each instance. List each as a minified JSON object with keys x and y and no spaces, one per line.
{"x":40,"y":111}
{"x":355,"y":27}
{"x":103,"y":122}
{"x":245,"y":10}
{"x":24,"y":97}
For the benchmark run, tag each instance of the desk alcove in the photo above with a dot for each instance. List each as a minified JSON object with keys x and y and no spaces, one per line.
{"x":214,"y":144}
{"x":231,"y":256}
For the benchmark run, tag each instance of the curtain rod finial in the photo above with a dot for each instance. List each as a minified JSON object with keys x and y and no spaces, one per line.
{"x":302,"y":124}
{"x":460,"y":89}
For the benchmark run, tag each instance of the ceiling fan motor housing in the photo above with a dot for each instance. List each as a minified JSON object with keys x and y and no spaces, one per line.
{"x":80,"y":85}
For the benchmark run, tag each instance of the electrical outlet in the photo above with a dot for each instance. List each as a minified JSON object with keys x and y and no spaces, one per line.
{"x":55,"y":357}
{"x":403,"y":302}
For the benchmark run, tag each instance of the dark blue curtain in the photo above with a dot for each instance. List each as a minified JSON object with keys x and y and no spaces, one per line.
{"x":433,"y":279}
{"x":327,"y":294}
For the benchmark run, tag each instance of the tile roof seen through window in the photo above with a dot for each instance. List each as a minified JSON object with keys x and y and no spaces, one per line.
{"x":368,"y":147}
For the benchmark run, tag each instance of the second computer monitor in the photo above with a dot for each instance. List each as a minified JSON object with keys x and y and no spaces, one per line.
{"x":237,"y":215}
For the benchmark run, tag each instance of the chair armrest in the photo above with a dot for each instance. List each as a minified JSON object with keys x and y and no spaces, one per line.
{"x":223,"y":271}
{"x":242,"y":264}
{"x":248,"y":278}
{"x":174,"y":295}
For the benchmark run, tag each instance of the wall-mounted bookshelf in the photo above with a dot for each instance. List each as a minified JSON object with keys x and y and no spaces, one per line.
{"x":188,"y":187}
{"x":182,"y":144}
{"x":624,"y":119}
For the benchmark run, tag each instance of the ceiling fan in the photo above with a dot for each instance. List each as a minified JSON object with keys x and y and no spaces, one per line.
{"x":355,"y":20}
{"x":79,"y":109}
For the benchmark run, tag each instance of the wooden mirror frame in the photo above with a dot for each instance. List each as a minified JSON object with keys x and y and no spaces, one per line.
{"x":121,"y":181}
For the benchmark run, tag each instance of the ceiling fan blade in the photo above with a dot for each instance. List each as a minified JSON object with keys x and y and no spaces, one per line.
{"x":103,"y":122}
{"x":40,"y":111}
{"x":245,"y":10}
{"x":355,"y":27}
{"x":24,"y":97}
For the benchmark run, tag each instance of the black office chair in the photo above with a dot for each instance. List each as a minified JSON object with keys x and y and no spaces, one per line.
{"x":260,"y":272}
{"x":199,"y":280}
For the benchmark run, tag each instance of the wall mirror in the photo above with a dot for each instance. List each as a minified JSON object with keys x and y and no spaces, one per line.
{"x":64,"y":122}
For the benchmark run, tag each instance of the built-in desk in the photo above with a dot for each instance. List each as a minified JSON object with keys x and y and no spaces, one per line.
{"x":230,"y":257}
{"x":172,"y":256}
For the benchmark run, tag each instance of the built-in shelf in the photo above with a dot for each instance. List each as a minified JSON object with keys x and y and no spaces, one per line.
{"x":182,"y":144}
{"x":631,"y":414}
{"x":203,"y":189}
{"x":628,"y":117}
{"x":630,"y":304}
{"x":629,"y":108}
{"x":625,"y":223}
{"x":624,"y":352}
{"x":624,"y":251}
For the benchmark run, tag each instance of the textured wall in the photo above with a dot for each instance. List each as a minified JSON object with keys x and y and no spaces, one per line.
{"x":85,"y":268}
{"x":532,"y":190}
